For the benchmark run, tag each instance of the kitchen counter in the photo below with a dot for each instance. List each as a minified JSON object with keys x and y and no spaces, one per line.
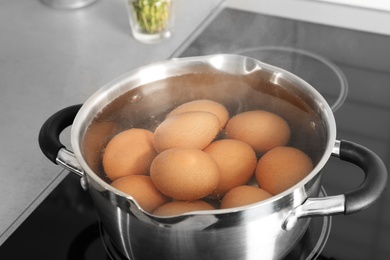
{"x":51,"y":59}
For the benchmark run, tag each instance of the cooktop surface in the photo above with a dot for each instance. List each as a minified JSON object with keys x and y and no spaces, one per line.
{"x":351,"y":69}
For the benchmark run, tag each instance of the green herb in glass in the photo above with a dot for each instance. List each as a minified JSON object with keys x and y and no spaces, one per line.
{"x":152,"y":15}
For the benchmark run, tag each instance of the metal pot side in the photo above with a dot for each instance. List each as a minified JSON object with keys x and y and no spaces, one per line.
{"x":245,"y":233}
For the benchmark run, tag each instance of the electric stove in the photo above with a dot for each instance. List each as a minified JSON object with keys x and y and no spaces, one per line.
{"x":351,"y":69}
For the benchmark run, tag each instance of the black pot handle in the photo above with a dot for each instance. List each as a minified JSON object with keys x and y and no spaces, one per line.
{"x":375,"y":180}
{"x":367,"y":193}
{"x":49,"y":135}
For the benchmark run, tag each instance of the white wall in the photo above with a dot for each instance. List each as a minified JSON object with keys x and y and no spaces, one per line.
{"x":368,"y":15}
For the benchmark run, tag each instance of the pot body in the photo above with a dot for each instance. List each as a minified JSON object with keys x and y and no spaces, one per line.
{"x":253,"y":233}
{"x":264,"y":230}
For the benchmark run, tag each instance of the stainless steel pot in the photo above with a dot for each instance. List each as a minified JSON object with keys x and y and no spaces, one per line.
{"x":265,"y":230}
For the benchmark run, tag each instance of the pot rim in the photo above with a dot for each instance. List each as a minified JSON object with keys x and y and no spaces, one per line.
{"x":108,"y":92}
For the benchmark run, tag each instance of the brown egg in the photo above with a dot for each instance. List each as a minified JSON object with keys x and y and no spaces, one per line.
{"x":243,"y":195}
{"x":204,"y":105}
{"x":180,"y":207}
{"x":260,"y":129}
{"x":185,"y":173}
{"x":282,"y":168}
{"x":129,"y":152}
{"x":236,"y":161}
{"x":186,"y":130}
{"x":142,"y":189}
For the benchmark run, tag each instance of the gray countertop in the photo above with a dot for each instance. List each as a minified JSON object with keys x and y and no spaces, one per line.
{"x":50,"y":59}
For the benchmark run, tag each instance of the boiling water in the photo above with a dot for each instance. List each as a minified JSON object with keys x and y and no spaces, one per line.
{"x":146,"y":107}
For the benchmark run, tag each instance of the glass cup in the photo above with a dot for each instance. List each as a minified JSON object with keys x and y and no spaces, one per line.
{"x":151,"y":21}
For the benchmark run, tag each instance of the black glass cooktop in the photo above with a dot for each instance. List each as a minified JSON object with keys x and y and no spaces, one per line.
{"x":351,"y":69}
